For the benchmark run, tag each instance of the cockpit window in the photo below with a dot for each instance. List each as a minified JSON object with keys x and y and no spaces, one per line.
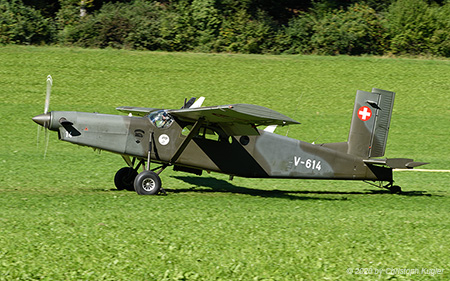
{"x":161,"y":119}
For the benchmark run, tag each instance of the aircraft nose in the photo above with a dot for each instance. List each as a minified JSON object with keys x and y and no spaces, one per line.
{"x":42,"y":119}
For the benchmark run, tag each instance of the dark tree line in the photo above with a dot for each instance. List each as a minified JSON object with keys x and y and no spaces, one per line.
{"x":280,"y":11}
{"x":416,"y":27}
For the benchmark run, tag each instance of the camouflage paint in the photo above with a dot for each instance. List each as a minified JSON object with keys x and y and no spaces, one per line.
{"x":259,"y":154}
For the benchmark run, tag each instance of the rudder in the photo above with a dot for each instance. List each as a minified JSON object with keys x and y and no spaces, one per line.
{"x":370,"y":123}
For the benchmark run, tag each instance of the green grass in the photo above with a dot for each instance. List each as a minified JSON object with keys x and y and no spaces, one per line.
{"x":61,"y":219}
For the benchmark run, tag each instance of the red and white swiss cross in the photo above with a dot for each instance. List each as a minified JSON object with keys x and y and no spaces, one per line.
{"x":364,"y":113}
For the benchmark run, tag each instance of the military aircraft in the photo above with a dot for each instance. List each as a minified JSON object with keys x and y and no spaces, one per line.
{"x":226,"y":139}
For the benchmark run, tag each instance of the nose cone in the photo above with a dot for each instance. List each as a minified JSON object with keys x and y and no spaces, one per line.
{"x":42,"y":119}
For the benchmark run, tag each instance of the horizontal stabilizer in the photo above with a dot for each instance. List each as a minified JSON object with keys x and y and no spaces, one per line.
{"x":411,"y":165}
{"x":395,"y":163}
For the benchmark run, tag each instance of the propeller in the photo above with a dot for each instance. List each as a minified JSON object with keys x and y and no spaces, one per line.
{"x":44,"y":119}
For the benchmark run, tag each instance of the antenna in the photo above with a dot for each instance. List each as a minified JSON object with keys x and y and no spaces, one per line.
{"x":314,"y":142}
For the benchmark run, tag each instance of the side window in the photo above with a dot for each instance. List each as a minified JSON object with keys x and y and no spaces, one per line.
{"x":186,"y":130}
{"x":161,"y":119}
{"x":209,"y":134}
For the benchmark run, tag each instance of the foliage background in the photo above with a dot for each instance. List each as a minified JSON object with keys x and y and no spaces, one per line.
{"x":406,"y":27}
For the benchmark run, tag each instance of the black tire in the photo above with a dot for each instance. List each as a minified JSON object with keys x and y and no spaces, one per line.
{"x":395,"y":189}
{"x":124,"y":178}
{"x":147,"y":183}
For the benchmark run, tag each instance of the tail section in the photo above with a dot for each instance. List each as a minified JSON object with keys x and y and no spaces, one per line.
{"x":370,"y":123}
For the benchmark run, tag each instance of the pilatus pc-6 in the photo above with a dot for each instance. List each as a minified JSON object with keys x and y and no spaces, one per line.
{"x":227,"y":139}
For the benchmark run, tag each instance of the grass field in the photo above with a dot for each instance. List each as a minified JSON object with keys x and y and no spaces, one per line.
{"x":62,"y":219}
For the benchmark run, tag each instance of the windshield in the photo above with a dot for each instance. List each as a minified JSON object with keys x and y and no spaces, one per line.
{"x":161,"y":119}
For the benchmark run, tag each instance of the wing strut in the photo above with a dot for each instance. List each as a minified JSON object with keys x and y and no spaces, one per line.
{"x":186,"y":141}
{"x":149,"y":151}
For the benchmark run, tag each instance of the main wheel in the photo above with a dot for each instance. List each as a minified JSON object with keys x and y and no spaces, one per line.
{"x":147,"y":183}
{"x":124,"y":178}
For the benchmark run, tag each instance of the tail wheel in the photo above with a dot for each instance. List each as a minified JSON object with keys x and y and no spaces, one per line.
{"x":124,"y":178}
{"x":147,"y":183}
{"x":395,"y":189}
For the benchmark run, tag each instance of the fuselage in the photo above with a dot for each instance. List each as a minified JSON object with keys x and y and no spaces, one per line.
{"x":211,"y":149}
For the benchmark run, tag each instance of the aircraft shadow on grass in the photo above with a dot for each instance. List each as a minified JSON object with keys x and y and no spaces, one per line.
{"x":222,"y":186}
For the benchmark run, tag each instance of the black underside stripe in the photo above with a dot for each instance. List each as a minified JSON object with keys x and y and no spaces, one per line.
{"x":231,"y":158}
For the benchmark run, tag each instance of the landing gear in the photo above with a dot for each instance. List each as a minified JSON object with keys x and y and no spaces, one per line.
{"x":393,"y":188}
{"x":390,"y":186}
{"x":124,"y":178}
{"x":147,"y":183}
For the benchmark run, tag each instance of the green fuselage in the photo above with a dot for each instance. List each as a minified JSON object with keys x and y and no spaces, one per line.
{"x":211,"y":149}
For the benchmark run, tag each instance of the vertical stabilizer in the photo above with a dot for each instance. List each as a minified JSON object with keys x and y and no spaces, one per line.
{"x":370,"y":123}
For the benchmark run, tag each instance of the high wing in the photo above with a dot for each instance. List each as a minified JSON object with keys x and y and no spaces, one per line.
{"x":138,"y":111}
{"x":234,"y":119}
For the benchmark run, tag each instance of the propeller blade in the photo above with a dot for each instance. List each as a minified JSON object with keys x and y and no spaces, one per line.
{"x":46,"y":142}
{"x":38,"y":136}
{"x":47,"y":97}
